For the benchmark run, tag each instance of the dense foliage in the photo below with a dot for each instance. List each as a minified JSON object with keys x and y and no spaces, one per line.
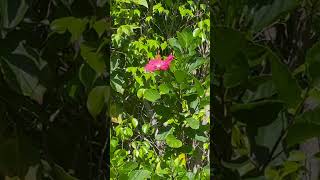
{"x":53,"y":83}
{"x":265,"y":88}
{"x":160,"y":120}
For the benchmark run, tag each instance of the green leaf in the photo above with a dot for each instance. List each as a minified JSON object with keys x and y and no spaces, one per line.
{"x":151,"y":95}
{"x":116,"y":83}
{"x":61,"y":25}
{"x":7,"y":7}
{"x":87,"y":75}
{"x":287,"y":87}
{"x":180,"y":76}
{"x":300,"y":132}
{"x":267,"y":140}
{"x":139,"y":175}
{"x":271,"y":174}
{"x":173,"y":142}
{"x":307,"y":126}
{"x":297,"y":156}
{"x":140,"y":93}
{"x":173,"y":42}
{"x":141,"y":2}
{"x":236,"y":72}
{"x":97,"y":99}
{"x":269,"y":13}
{"x":228,"y":43}
{"x":164,"y":89}
{"x":128,"y":167}
{"x":259,"y":113}
{"x":134,"y":122}
{"x":74,"y":25}
{"x":312,"y":116}
{"x":242,"y":168}
{"x":264,"y":90}
{"x":61,"y":174}
{"x":289,"y":167}
{"x":94,"y":59}
{"x":193,"y":123}
{"x":128,"y":132}
{"x":196,"y":64}
{"x":100,"y":27}
{"x":201,"y":138}
{"x":145,"y":128}
{"x":22,"y":78}
{"x":163,"y":136}
{"x":76,"y":28}
{"x":113,"y":145}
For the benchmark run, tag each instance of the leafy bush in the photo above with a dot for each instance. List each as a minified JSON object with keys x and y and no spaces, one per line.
{"x":53,"y":55}
{"x":265,"y":97}
{"x":160,"y":120}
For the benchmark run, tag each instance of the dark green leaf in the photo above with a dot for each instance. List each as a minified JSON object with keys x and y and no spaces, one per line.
{"x":313,"y":62}
{"x":228,"y":43}
{"x":87,"y":75}
{"x":259,"y":113}
{"x":97,"y":99}
{"x":301,"y":132}
{"x":269,"y":13}
{"x":94,"y":59}
{"x":287,"y":87}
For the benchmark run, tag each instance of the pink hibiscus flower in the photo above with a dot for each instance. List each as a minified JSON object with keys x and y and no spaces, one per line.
{"x":158,"y":64}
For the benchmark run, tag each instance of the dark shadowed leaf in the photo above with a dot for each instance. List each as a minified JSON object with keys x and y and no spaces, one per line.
{"x":269,"y":13}
{"x":258,"y":113}
{"x":287,"y":87}
{"x":97,"y":99}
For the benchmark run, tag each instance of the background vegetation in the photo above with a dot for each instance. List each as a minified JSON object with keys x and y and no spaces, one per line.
{"x":54,"y":64}
{"x":265,"y":89}
{"x":160,"y":120}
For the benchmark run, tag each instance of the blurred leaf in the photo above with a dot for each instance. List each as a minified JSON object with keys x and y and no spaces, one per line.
{"x":228,"y":44}
{"x":61,"y":174}
{"x":100,"y":27}
{"x":23,"y":79}
{"x":87,"y":75}
{"x":16,"y":155}
{"x":269,"y":13}
{"x":95,"y":60}
{"x":74,"y":25}
{"x":287,"y":87}
{"x":259,"y":113}
{"x":301,"y":132}
{"x":312,"y":62}
{"x":97,"y":99}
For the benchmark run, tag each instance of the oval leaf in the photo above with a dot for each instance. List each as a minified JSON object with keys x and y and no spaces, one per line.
{"x":151,"y":95}
{"x":173,"y":142}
